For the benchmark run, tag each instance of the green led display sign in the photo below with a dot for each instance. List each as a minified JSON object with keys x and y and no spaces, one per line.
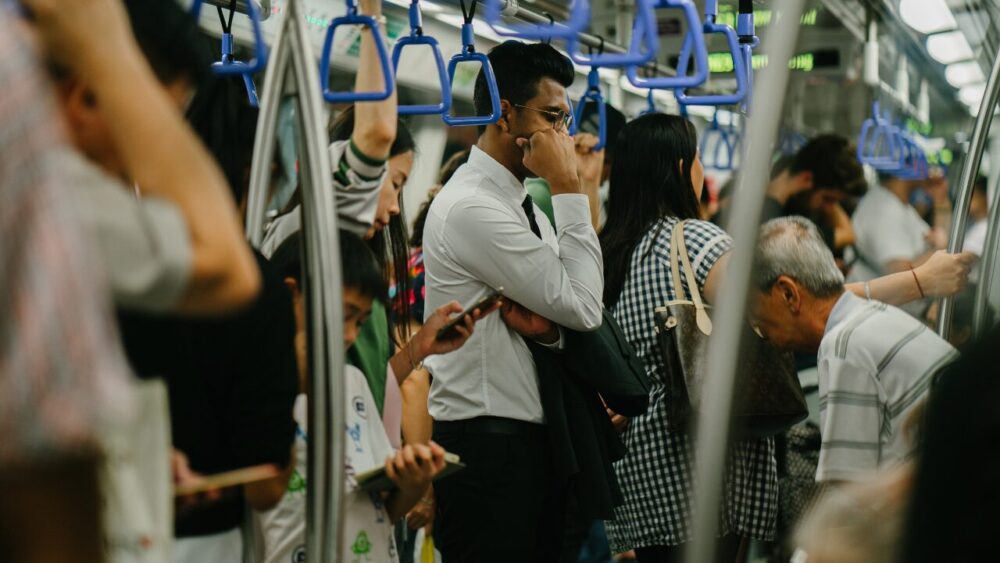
{"x":763,"y":17}
{"x":721,"y":63}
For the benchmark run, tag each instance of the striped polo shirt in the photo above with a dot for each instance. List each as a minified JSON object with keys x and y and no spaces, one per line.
{"x":876,"y":363}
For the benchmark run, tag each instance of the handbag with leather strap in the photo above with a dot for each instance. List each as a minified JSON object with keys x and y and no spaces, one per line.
{"x":768,"y":398}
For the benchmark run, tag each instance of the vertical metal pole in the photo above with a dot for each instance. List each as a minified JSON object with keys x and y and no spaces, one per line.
{"x":322,"y":272}
{"x":980,"y":318}
{"x":712,"y":436}
{"x":970,"y":170}
{"x":319,"y":210}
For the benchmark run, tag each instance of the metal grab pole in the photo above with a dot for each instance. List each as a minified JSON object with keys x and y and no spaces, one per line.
{"x":979,"y":316}
{"x":712,"y":437}
{"x":319,"y":220}
{"x":322,"y":272}
{"x":970,"y":169}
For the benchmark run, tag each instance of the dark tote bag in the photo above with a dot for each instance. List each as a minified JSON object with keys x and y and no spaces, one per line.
{"x":768,"y":398}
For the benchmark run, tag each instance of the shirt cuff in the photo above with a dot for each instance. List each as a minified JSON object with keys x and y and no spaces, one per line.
{"x":557,"y":346}
{"x":570,"y":208}
{"x":366,"y":167}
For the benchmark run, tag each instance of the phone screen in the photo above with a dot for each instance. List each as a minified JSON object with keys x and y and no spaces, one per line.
{"x":448,"y":330}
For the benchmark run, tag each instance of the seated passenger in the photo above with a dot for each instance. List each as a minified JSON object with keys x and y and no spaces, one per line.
{"x":892,"y":237}
{"x":875,"y":362}
{"x":181,"y":247}
{"x":370,"y":518}
{"x":815,"y":183}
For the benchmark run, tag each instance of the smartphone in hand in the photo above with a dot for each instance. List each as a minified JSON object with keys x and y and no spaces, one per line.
{"x":448,"y":331}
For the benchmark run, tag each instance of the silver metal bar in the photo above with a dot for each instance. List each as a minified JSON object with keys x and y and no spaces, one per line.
{"x":980,"y":318}
{"x":264,"y":143}
{"x":319,"y":215}
{"x":712,"y":437}
{"x":970,"y":170}
{"x":585,"y":39}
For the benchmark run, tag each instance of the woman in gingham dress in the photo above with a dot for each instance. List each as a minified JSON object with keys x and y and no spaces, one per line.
{"x":656,"y":182}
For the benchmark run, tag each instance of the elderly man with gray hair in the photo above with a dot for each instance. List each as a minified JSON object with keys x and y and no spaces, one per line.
{"x":875,"y":361}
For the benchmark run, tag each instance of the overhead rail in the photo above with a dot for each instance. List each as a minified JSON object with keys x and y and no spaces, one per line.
{"x":643,"y":48}
{"x":694,"y":34}
{"x":740,"y":48}
{"x":293,"y":69}
{"x":469,"y":54}
{"x":970,"y":171}
{"x":711,"y":441}
{"x":228,"y":65}
{"x":417,"y":37}
{"x":579,"y":20}
{"x":351,"y":18}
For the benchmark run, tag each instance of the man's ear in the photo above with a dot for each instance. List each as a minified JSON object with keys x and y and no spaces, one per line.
{"x":80,"y":105}
{"x":505,"y":109}
{"x":789,"y":292}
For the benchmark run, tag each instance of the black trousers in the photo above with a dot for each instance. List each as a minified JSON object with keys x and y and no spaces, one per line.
{"x":505,"y":506}
{"x":729,"y":549}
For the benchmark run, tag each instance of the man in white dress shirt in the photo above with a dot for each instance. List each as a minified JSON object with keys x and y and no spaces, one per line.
{"x":483,"y":233}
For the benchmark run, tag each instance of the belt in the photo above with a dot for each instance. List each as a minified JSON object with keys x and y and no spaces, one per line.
{"x":489,"y":425}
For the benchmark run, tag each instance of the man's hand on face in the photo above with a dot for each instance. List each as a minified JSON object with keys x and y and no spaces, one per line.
{"x":551,"y":155}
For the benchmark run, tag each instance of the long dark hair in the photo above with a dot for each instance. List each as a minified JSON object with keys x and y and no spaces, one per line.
{"x":389,"y":244}
{"x":646,"y":185}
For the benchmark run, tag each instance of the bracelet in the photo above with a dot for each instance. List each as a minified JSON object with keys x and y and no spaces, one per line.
{"x":868,"y":291}
{"x":916,"y":279}
{"x":409,"y":356}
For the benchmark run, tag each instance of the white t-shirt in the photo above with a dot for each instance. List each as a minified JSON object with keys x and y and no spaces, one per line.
{"x":368,"y":536}
{"x":887,"y":230}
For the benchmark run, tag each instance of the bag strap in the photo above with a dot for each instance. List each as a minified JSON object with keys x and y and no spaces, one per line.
{"x":679,"y":260}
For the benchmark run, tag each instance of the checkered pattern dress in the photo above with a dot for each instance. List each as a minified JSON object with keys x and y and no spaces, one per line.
{"x":656,"y":473}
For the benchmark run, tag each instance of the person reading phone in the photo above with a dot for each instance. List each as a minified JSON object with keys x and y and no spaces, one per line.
{"x":484,"y":232}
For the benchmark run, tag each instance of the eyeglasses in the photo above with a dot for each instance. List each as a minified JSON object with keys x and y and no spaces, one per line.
{"x":558,"y":119}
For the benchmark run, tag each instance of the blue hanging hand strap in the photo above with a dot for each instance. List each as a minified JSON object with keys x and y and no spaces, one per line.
{"x":593,"y":95}
{"x":716,"y":147}
{"x":746,"y":31}
{"x":354,"y":18}
{"x":650,"y":104}
{"x":417,"y":37}
{"x":229,"y":66}
{"x":694,"y":34}
{"x":579,"y":19}
{"x":469,"y":54}
{"x":879,"y":143}
{"x":643,"y":48}
{"x":741,"y":61}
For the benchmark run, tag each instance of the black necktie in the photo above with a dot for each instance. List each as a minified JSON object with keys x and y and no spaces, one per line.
{"x":529,"y":210}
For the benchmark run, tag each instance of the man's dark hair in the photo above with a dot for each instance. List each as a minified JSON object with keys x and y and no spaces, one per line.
{"x":833,"y":164}
{"x":361,"y":271}
{"x":519,"y":67}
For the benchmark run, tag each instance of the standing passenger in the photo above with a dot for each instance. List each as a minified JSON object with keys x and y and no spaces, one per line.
{"x":656,"y":182}
{"x":62,"y":374}
{"x":876,"y":363}
{"x":484,"y":233}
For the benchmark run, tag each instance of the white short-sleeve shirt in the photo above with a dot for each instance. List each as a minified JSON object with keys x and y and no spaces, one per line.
{"x":369,"y":533}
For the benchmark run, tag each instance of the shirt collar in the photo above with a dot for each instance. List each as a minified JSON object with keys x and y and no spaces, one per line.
{"x":847,"y":303}
{"x":498,"y":174}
